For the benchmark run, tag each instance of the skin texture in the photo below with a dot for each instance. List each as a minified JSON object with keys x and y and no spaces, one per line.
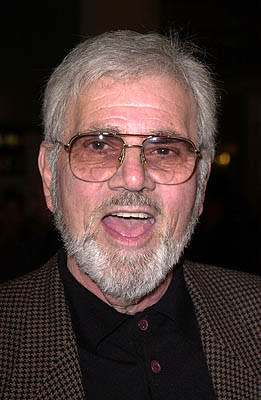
{"x":142,"y":106}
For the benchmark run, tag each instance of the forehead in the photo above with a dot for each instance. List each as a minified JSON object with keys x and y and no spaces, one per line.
{"x":142,"y":105}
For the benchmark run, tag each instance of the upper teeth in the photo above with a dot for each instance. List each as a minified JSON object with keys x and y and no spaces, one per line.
{"x":131,"y":215}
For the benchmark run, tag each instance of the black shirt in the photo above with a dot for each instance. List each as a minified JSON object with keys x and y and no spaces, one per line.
{"x":154,"y":354}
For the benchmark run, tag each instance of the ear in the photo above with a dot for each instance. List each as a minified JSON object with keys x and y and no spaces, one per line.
{"x":43,"y":164}
{"x":204,"y":189}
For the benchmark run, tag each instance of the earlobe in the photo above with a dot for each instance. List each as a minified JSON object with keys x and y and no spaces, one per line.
{"x":45,"y":172}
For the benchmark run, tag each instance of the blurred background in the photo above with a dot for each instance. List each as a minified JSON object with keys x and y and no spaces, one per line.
{"x":34,"y":41}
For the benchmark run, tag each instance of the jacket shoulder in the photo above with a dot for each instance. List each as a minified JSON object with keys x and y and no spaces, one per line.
{"x":222,"y":280}
{"x":220,"y":285}
{"x":19,"y":294}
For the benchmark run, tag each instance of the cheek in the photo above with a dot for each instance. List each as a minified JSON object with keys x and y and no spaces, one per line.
{"x":178,"y":204}
{"x":78,"y":201}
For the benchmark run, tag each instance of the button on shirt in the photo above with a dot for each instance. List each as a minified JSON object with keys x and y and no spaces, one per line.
{"x":154,"y":354}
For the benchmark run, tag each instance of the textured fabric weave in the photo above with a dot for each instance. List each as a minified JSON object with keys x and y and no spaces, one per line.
{"x":228,"y":308}
{"x":38,"y":354}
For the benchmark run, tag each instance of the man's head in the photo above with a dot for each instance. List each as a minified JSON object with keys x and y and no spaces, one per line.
{"x":127,"y":231}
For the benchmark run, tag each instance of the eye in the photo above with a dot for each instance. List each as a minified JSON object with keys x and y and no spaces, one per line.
{"x":96,"y":145}
{"x":165,"y":151}
{"x":100,"y":146}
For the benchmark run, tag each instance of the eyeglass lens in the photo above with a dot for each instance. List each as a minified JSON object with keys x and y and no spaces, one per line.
{"x":168,"y":160}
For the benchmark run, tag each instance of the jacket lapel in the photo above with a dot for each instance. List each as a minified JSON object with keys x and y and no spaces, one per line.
{"x":62,"y":377}
{"x":230,"y":353}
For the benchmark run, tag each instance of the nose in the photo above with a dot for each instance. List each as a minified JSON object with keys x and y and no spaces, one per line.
{"x":131,"y":174}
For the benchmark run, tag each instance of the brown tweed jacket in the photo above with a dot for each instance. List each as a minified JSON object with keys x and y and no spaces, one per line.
{"x":38,"y":352}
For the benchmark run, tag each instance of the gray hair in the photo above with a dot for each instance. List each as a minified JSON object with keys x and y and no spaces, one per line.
{"x":126,"y":55}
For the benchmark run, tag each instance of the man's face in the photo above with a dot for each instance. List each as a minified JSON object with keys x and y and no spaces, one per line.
{"x":110,"y":210}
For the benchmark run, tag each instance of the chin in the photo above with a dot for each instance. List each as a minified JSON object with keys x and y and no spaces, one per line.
{"x":127,"y":274}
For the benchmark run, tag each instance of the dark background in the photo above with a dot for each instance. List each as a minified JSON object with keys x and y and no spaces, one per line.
{"x":34,"y":41}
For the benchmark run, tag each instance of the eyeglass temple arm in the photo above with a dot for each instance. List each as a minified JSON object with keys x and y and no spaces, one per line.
{"x":65,"y":146}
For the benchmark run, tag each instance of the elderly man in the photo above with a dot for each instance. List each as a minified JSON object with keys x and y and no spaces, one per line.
{"x":129,"y":139}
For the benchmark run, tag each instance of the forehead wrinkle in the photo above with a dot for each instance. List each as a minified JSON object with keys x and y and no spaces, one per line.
{"x":161,"y":131}
{"x":161,"y":128}
{"x":132,"y":105}
{"x":144,"y":112}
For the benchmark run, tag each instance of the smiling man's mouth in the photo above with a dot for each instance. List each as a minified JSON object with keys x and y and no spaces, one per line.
{"x":129,"y":224}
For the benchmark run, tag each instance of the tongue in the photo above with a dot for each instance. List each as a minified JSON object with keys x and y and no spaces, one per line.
{"x":129,"y":227}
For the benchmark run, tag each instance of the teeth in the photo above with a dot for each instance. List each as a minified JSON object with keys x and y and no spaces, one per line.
{"x":131,"y":215}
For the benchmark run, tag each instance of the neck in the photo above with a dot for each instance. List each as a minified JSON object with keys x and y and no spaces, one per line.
{"x":121,"y":305}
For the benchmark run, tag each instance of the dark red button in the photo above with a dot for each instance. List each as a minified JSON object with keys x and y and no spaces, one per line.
{"x":143,"y":324}
{"x":155,"y":366}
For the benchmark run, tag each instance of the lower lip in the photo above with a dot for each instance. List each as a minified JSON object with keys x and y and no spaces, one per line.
{"x":131,"y":241}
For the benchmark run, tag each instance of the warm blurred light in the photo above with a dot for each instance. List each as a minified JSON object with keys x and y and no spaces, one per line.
{"x":223,"y":158}
{"x":9,"y":139}
{"x":12,"y":139}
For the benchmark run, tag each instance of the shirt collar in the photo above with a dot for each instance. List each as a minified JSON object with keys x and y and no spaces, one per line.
{"x":93,"y":319}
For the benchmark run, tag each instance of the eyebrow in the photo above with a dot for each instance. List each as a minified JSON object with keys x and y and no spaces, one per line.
{"x":102,"y":129}
{"x":116,"y":131}
{"x":166,"y":133}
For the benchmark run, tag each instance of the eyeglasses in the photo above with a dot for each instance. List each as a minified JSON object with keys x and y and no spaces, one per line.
{"x":96,"y":156}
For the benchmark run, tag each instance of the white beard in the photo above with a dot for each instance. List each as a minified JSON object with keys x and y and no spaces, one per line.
{"x":118,"y":273}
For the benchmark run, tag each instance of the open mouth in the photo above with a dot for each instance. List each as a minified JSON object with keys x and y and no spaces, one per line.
{"x":129,"y":224}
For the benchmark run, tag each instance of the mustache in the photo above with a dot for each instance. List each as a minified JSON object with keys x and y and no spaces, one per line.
{"x":126,"y":198}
